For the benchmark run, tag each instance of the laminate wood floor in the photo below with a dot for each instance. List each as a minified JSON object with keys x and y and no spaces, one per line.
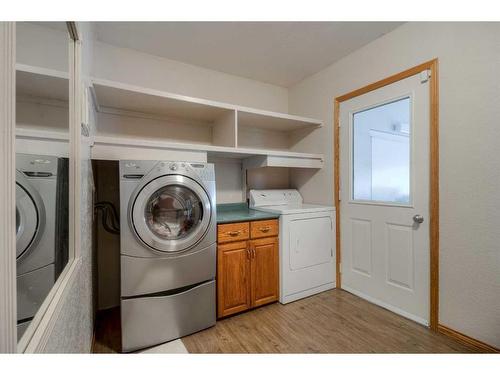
{"x":107,"y":332}
{"x":331,"y":322}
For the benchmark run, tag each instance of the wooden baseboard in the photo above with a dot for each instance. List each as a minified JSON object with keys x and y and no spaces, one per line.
{"x":467,"y":340}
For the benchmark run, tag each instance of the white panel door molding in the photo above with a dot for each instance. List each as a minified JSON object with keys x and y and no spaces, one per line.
{"x":8,"y":334}
{"x":384,"y":184}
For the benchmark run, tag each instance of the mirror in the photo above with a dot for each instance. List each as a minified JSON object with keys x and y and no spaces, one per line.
{"x":42,"y":166}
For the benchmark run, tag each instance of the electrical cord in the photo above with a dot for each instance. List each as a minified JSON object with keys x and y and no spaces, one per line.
{"x":109,"y":216}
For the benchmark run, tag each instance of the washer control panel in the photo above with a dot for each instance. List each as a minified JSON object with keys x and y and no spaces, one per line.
{"x":136,"y":169}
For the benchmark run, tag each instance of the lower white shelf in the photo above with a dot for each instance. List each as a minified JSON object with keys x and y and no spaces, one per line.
{"x":42,"y":142}
{"x":119,"y":148}
{"x":261,"y":161}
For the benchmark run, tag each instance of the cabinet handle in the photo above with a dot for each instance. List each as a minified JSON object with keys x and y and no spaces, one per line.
{"x":248,"y":254}
{"x":251,"y":252}
{"x":234,"y":233}
{"x":265,"y":229}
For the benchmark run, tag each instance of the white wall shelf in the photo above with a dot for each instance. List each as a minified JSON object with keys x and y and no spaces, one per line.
{"x":117,"y":97}
{"x":42,"y":108}
{"x":47,"y":84}
{"x":142,"y":123}
{"x":114,"y":148}
{"x":33,"y":141}
{"x":167,"y":124}
{"x":274,"y":121}
{"x":260,"y":161}
{"x":129,"y":99}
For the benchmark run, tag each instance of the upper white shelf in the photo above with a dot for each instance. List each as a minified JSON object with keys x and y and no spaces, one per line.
{"x":34,"y":82}
{"x":116,"y":97}
{"x":113,"y":97}
{"x":274,"y":121}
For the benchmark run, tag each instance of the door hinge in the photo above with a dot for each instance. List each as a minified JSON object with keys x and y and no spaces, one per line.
{"x":340,"y":195}
{"x":424,"y":76}
{"x":340,"y":267}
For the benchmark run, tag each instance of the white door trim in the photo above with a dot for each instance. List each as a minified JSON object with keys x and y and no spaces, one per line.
{"x":8,"y":331}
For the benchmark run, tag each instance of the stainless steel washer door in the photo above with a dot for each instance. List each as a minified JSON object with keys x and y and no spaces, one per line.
{"x":171,"y":213}
{"x":30,"y":215}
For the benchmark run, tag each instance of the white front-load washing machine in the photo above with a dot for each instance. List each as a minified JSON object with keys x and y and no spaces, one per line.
{"x":167,"y":250}
{"x":36,"y":201}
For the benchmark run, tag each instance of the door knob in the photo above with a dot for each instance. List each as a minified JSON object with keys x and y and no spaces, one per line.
{"x":419,"y":219}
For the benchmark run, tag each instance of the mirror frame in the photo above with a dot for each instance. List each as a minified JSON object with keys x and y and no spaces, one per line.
{"x":38,"y":333}
{"x":8,"y":323}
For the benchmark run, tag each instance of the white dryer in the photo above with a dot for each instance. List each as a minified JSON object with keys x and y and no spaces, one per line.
{"x":307,"y":242}
{"x":36,"y":198}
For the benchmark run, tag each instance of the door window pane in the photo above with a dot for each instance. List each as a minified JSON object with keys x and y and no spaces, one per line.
{"x":381,"y":153}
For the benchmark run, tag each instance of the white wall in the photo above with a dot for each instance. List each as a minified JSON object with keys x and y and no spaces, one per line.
{"x":229,"y":181}
{"x":469,"y":61}
{"x":268,"y":178}
{"x":41,"y":46}
{"x":141,"y":69}
{"x":39,"y":116}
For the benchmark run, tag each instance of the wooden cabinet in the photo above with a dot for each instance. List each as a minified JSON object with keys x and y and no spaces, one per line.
{"x":264,"y":270}
{"x":247,"y":271}
{"x":233,"y":232}
{"x":233,"y":278}
{"x":264,"y":228}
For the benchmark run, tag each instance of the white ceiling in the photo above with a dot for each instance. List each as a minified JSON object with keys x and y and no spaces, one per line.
{"x":60,"y":26}
{"x":280,"y":53}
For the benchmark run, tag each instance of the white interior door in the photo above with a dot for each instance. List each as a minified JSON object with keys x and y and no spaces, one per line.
{"x":384,"y":194}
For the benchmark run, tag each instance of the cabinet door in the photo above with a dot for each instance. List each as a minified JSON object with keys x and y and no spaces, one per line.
{"x":233,"y":278}
{"x":265,"y":269}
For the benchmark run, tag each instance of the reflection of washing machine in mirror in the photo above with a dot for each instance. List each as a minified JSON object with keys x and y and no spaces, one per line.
{"x":168,"y":244}
{"x":37,"y":191}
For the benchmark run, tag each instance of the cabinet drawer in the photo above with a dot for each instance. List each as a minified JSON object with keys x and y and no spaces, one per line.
{"x":232,"y":232}
{"x":264,"y":228}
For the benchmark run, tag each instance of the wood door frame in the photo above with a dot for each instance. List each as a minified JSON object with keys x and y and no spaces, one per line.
{"x":432,"y":66}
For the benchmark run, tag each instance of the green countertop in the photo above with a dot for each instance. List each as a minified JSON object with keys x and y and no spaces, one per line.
{"x":235,"y":212}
